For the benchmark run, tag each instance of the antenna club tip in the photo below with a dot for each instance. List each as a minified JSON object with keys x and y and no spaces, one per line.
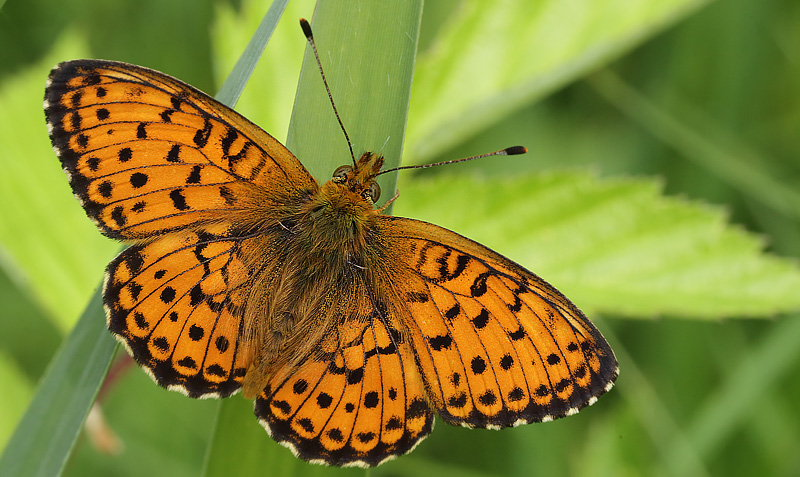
{"x":306,"y":28}
{"x":514,"y":150}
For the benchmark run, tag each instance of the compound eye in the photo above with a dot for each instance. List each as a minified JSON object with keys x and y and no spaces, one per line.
{"x":340,"y":174}
{"x":373,"y":193}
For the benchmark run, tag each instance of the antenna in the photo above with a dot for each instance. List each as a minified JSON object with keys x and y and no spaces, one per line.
{"x":310,"y":37}
{"x":509,"y":151}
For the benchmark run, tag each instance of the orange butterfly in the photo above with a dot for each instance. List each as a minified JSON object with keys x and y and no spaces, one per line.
{"x":348,"y":326}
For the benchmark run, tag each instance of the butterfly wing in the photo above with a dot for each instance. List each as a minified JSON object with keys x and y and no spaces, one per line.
{"x":148,"y":154}
{"x":158,"y":163}
{"x":358,"y":401}
{"x":177,"y":303}
{"x":497,"y":345}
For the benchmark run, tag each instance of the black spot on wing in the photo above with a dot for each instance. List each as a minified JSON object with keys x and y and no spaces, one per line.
{"x":178,"y":199}
{"x":202,"y":135}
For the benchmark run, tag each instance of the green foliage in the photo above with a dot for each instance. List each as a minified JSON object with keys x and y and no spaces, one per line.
{"x":47,"y":243}
{"x":706,"y":111}
{"x":488,"y":58}
{"x":613,"y":246}
{"x":48,"y":430}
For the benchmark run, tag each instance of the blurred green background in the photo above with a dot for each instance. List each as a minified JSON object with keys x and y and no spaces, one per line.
{"x":661,"y":194}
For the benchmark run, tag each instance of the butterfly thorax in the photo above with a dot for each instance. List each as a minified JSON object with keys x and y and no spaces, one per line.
{"x":335,"y":223}
{"x":328,"y":246}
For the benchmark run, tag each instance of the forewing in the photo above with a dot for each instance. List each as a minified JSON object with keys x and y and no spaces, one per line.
{"x":497,"y":345}
{"x":147,"y":153}
{"x":358,"y":401}
{"x":177,"y":304}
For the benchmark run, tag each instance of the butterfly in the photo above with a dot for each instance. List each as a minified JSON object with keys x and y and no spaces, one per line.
{"x":348,"y":327}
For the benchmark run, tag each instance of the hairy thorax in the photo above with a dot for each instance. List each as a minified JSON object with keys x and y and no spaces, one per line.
{"x":328,"y":243}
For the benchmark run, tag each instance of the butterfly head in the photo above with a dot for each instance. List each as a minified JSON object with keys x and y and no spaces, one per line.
{"x":360,"y":178}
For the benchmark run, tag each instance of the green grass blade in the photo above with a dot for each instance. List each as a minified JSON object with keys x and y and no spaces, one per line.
{"x":46,"y":435}
{"x":373,"y":104}
{"x":371,"y":93}
{"x":32,"y":341}
{"x":233,"y":86}
{"x":17,"y":393}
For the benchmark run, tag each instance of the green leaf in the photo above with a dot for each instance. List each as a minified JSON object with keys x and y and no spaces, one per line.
{"x":45,"y":238}
{"x":614,"y":246}
{"x":702,"y":142}
{"x":17,"y":391}
{"x":490,"y":58}
{"x":372,"y":105}
{"x":46,"y":435}
{"x":28,"y":341}
{"x":27,"y":335}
